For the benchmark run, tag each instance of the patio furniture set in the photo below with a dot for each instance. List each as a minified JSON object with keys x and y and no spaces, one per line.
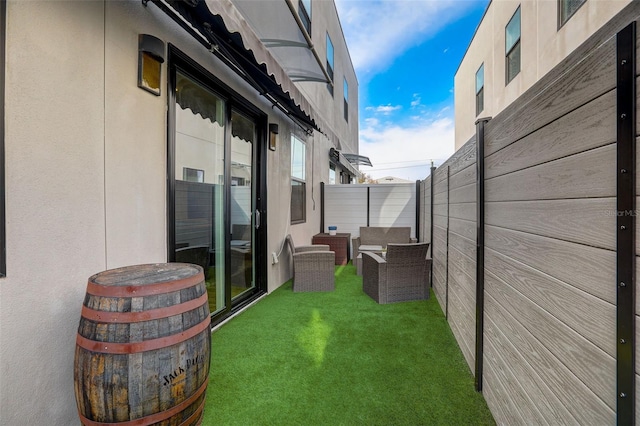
{"x":394,"y":267}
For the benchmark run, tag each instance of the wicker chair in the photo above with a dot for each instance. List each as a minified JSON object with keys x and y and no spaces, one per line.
{"x":381,"y":236}
{"x":313,"y":267}
{"x":402,"y":276}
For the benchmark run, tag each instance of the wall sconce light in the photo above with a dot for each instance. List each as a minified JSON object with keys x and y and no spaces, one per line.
{"x":150,"y":59}
{"x":273,"y":136}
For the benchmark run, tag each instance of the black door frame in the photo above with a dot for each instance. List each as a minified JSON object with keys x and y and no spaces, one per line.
{"x":177,"y":60}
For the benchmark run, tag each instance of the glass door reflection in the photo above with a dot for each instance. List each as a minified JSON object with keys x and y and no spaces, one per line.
{"x":242,"y":197}
{"x":200,"y":184}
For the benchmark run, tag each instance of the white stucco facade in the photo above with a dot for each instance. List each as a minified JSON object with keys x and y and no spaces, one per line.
{"x":325,"y":21}
{"x":86,"y":175}
{"x":543,"y":46}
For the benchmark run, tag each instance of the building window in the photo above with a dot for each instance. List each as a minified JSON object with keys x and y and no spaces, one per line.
{"x":480,"y":89}
{"x":298,"y":177}
{"x":330,"y":63}
{"x":332,"y":174}
{"x":304,"y":11}
{"x":346,"y":99}
{"x":566,"y":9}
{"x":512,"y":36}
{"x":192,"y":175}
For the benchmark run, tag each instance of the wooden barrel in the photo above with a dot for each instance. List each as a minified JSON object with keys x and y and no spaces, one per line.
{"x":143,"y":347}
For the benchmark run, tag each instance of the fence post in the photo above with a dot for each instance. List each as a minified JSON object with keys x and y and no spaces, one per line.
{"x":321,"y":207}
{"x":480,"y":251}
{"x":625,"y":241}
{"x":418,"y":210}
{"x":368,"y":205}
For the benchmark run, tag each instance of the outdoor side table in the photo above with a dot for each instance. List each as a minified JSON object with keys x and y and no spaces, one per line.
{"x":338,"y":243}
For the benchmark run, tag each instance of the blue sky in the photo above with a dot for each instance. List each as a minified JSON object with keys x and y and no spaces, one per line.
{"x":406,"y":53}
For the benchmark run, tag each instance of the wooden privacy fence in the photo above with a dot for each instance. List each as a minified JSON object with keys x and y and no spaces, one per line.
{"x":534,"y":247}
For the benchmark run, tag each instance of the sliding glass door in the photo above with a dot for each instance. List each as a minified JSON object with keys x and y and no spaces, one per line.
{"x":213,"y":202}
{"x":200,"y":121}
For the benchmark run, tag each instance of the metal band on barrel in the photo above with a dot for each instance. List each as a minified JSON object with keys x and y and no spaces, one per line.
{"x":153,"y":418}
{"x":146,"y":345}
{"x":152,"y":314}
{"x":195,"y":414}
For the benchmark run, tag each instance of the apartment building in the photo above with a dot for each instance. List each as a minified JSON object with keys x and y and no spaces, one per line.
{"x":139,"y":132}
{"x":516,"y":44}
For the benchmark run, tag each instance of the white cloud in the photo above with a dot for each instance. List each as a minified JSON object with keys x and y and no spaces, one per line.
{"x":416,"y":100}
{"x":384,"y":109}
{"x":400,"y":142}
{"x":372,"y":122}
{"x":377,"y":32}
{"x":406,"y":151}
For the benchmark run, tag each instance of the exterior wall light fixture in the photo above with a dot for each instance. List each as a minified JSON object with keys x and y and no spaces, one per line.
{"x":150,"y":59}
{"x":273,"y":136}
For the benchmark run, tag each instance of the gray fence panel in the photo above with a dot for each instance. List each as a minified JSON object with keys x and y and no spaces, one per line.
{"x":345,"y":206}
{"x":425,"y":211}
{"x":544,"y":285}
{"x":393,"y":205}
{"x":440,"y":229}
{"x":550,"y":244}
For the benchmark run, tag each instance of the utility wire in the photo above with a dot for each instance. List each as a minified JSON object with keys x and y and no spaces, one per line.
{"x":403,"y":162}
{"x":400,"y":167}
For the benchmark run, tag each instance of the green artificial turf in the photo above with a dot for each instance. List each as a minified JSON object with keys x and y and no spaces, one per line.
{"x":339,"y":358}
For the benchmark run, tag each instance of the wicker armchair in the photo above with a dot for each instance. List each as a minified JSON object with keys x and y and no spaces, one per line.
{"x":313,"y":267}
{"x":402,"y":276}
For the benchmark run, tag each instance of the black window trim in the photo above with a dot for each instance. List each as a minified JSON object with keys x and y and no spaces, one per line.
{"x":560,"y":23}
{"x":479,"y":92}
{"x":300,"y":181}
{"x":330,"y":69}
{"x":304,"y":201}
{"x":515,"y":45}
{"x":305,"y":16}
{"x":345,"y":97}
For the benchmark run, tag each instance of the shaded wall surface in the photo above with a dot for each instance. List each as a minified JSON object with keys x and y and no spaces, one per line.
{"x":547,"y":349}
